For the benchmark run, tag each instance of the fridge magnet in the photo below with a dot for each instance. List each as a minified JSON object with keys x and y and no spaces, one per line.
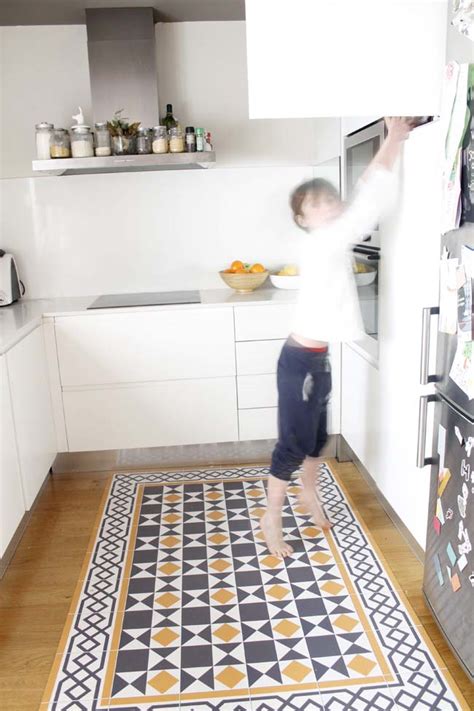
{"x":462,"y":562}
{"x":448,"y":570}
{"x":439,"y":512}
{"x":471,"y":579}
{"x":469,"y":445}
{"x":462,"y":369}
{"x":451,"y":554}
{"x":466,"y":546}
{"x":441,"y":445}
{"x":444,"y":477}
{"x":465,"y":470}
{"x":459,"y":436}
{"x":449,"y":514}
{"x":465,"y":492}
{"x":462,"y":506}
{"x":448,"y":294}
{"x":439,"y":572}
{"x":437,"y":525}
{"x":461,"y":530}
{"x":464,"y":306}
{"x":455,"y":582}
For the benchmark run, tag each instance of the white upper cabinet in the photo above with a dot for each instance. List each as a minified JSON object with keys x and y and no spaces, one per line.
{"x":320,"y":58}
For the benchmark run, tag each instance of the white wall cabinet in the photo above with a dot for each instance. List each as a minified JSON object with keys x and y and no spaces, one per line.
{"x":12,"y":505}
{"x":32,"y":411}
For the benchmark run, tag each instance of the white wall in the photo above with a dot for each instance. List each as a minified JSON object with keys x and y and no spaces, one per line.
{"x":80,"y":235}
{"x":458,"y":47}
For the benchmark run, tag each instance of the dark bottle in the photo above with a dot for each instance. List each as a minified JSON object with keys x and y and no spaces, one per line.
{"x":190,"y":145}
{"x":169,"y":120}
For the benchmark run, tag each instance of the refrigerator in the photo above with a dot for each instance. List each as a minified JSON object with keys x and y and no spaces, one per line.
{"x":448,"y":584}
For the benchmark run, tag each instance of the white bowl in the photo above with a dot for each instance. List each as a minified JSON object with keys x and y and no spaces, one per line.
{"x":365,"y":278}
{"x":285,"y":282}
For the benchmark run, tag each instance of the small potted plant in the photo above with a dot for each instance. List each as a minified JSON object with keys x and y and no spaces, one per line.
{"x":122,"y":134}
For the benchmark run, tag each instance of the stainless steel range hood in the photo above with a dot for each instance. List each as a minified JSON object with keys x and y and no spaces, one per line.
{"x":122,"y":63}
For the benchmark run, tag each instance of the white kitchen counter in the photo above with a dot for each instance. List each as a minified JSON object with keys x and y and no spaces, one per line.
{"x":22,"y":317}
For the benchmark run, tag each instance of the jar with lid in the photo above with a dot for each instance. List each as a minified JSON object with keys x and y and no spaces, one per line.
{"x":176,"y":140}
{"x":44,"y":132}
{"x":60,"y":146}
{"x":190,"y":140}
{"x":143,"y":141}
{"x":102,"y":139}
{"x":160,"y":139}
{"x":200,"y":141}
{"x":82,"y":143}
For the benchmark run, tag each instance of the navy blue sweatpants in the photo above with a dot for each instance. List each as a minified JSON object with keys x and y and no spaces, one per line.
{"x":304,"y":387}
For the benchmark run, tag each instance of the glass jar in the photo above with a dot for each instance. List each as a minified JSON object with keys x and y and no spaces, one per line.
{"x":176,"y":140}
{"x":60,"y":146}
{"x":123,"y":145}
{"x":190,"y":140}
{"x":44,"y":132}
{"x":82,"y":142}
{"x":102,"y":140}
{"x":160,"y":139}
{"x":200,"y":140}
{"x":143,"y":141}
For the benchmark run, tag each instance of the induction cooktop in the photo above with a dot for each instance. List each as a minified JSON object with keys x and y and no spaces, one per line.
{"x":146,"y":298}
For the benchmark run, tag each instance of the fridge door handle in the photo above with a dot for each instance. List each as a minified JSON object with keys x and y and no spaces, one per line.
{"x":421,"y":460}
{"x":425,"y":377}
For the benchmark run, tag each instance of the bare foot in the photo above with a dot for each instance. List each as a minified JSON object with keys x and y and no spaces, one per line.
{"x":309,"y":500}
{"x":271,"y":529}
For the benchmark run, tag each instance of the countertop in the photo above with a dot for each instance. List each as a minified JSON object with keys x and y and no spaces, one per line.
{"x":22,"y":317}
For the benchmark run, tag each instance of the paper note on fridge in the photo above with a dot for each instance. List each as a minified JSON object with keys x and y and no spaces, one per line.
{"x":462,"y":369}
{"x":448,"y":294}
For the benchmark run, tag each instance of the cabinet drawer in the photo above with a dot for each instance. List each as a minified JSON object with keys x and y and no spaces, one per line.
{"x":263,"y":322}
{"x":161,"y":345}
{"x":258,"y":424}
{"x":257,"y":391}
{"x":258,"y":357}
{"x":152,"y":415}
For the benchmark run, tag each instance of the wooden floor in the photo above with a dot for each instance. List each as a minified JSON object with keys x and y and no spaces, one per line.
{"x":36,"y":590}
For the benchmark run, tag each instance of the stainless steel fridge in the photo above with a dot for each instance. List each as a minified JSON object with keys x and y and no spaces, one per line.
{"x":449,"y":560}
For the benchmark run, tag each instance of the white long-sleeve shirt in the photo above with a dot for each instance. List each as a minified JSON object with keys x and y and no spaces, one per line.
{"x":328,"y":307}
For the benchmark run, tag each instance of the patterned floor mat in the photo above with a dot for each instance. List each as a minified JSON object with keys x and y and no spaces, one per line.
{"x":180,"y":606}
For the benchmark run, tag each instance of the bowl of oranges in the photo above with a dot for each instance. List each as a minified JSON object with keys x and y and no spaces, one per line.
{"x":244,"y":278}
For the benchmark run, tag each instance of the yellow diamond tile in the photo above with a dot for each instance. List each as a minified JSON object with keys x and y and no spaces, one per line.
{"x":218,"y":539}
{"x":223,"y":596}
{"x":321,"y":558}
{"x":260,"y":536}
{"x":169,"y":568}
{"x":332,"y":588}
{"x":171,"y":518}
{"x":310,"y":531}
{"x":226,"y":632}
{"x":286,"y":628}
{"x":169,"y":541}
{"x":293,"y":490}
{"x":296,"y":671}
{"x":254,"y":493}
{"x":220,"y":565}
{"x":163,"y":682}
{"x":361,"y":665}
{"x":230,"y":677}
{"x":167,"y":600}
{"x":257,"y":512}
{"x":165,"y":636}
{"x":301,"y":510}
{"x":214,"y":495}
{"x":172,"y":498}
{"x":271,"y":561}
{"x":346,"y":623}
{"x":216,"y":515}
{"x":278,"y":592}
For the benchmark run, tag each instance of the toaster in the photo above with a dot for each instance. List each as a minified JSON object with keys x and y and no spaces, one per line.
{"x":11,"y":286}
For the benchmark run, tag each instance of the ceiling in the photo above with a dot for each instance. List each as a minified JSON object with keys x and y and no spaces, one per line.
{"x":71,"y":12}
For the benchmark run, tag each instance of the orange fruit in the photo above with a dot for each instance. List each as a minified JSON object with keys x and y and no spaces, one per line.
{"x":237,"y":265}
{"x":257,"y":269}
{"x":241,"y":271}
{"x":229,"y":271}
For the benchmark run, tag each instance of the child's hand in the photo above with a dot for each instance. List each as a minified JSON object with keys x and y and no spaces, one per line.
{"x":399,"y":127}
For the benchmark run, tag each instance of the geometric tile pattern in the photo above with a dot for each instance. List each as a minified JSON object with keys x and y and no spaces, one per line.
{"x":182,"y":607}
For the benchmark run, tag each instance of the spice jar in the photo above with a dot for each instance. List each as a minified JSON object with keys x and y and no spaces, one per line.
{"x":82,"y":143}
{"x":102,"y":139}
{"x":200,"y":141}
{"x":190,"y":140}
{"x":60,"y":146}
{"x":176,"y":140}
{"x":44,"y":131}
{"x":143,"y":141}
{"x":160,"y":139}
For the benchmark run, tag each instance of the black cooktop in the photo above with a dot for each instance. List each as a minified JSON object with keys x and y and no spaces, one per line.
{"x":146,"y":298}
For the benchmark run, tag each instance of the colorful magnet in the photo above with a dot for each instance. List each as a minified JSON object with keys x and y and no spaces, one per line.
{"x":449,"y":514}
{"x":462,"y":562}
{"x":444,"y":477}
{"x":439,"y":572}
{"x":455,"y":582}
{"x":437,"y":525}
{"x":451,"y":554}
{"x":439,"y":512}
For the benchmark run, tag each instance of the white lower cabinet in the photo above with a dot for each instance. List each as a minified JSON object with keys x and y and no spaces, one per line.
{"x":260,"y":423}
{"x":156,"y":414}
{"x":257,"y":391}
{"x":32,"y":411}
{"x":12,"y":505}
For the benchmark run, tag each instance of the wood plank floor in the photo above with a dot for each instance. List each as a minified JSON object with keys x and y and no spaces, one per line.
{"x":37,"y":588}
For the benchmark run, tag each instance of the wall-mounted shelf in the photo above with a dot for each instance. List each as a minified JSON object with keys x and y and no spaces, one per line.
{"x":124,"y":164}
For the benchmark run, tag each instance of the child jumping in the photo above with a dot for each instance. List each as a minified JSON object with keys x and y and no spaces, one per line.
{"x":327,"y":312}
